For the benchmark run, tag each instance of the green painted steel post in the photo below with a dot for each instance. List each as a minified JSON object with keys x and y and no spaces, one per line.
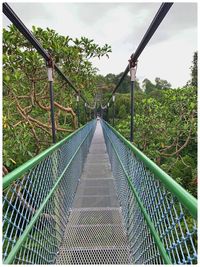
{"x":132,"y":73}
{"x":85,"y":114}
{"x":113,"y":98}
{"x":132,"y":111}
{"x":50,"y":79}
{"x":95,"y":111}
{"x":77,"y":108}
{"x":108,"y":105}
{"x":102,"y":113}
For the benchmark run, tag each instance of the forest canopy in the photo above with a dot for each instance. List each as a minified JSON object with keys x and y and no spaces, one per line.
{"x":165,"y":121}
{"x":26,"y":107}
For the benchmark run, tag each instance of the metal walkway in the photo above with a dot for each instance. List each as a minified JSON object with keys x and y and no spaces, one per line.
{"x":95,"y":233}
{"x":59,"y":208}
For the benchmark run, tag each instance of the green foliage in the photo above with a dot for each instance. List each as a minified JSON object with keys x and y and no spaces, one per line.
{"x":109,"y":82}
{"x":122,"y":112}
{"x":27,"y":124}
{"x":165,"y":129}
{"x":165,"y":121}
{"x":151,"y":88}
{"x":194,"y":70}
{"x":148,"y":86}
{"x":162,"y":84}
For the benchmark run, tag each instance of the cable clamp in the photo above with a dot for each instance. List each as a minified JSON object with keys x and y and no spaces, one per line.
{"x":50,"y":67}
{"x":133,"y":68}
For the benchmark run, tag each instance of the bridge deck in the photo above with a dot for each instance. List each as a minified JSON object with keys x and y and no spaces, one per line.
{"x":95,"y":233}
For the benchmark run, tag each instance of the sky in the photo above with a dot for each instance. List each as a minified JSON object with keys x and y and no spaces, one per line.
{"x":122,"y":25}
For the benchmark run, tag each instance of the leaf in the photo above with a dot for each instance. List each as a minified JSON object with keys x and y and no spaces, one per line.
{"x":6,"y":78}
{"x":192,"y":105}
{"x":30,"y":154}
{"x":13,"y":161}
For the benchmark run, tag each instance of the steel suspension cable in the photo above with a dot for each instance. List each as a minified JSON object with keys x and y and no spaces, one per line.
{"x":12,"y":16}
{"x":161,"y":13}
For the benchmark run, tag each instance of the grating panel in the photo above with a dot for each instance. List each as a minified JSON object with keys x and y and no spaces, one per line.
{"x":100,"y":150}
{"x":96,"y":172}
{"x":97,"y":177}
{"x":97,"y":166}
{"x":95,"y":191}
{"x":97,"y":158}
{"x":94,"y":256}
{"x":96,"y":147}
{"x":101,"y":216}
{"x":100,"y":164}
{"x":97,"y":182}
{"x":95,"y":201}
{"x":90,"y":236}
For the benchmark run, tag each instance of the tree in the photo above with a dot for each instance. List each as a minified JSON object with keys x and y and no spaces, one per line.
{"x":165,"y":129}
{"x":122,"y":112}
{"x":162,"y":84}
{"x":194,"y":70}
{"x":26,"y":108}
{"x":148,"y":86}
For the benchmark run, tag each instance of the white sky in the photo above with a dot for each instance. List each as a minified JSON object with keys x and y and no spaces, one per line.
{"x":122,"y":25}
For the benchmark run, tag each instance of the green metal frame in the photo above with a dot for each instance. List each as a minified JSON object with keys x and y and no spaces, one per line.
{"x":15,"y":174}
{"x":8,"y":179}
{"x":188,"y":201}
{"x":150,"y":224}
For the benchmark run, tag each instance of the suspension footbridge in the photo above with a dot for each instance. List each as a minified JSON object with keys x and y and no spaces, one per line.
{"x":94,"y":198}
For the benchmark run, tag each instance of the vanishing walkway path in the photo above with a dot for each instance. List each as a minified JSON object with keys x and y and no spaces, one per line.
{"x":95,"y":233}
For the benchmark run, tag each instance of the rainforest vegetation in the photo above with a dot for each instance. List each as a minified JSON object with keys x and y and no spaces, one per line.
{"x":165,"y":121}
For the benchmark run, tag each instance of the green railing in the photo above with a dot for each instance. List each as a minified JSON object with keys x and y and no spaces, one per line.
{"x":159,"y":215}
{"x":37,"y":198}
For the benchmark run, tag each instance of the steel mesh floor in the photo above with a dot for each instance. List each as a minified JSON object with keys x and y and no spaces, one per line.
{"x":96,"y":191}
{"x":93,"y":236}
{"x":95,"y":201}
{"x":94,"y":256}
{"x":94,"y":158}
{"x":96,"y":171}
{"x":95,"y":233}
{"x":97,"y":183}
{"x":95,"y":216}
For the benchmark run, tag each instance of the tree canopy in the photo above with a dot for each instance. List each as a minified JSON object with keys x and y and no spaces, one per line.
{"x":26,"y":108}
{"x":165,"y":121}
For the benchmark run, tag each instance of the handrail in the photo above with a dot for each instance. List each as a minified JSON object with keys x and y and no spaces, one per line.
{"x":182,"y":195}
{"x":12,"y":176}
{"x":146,"y":216}
{"x":29,"y":227}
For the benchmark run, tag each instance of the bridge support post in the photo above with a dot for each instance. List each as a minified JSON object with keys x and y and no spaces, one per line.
{"x":77,"y":109}
{"x":113,"y":109}
{"x":96,"y":110}
{"x":85,"y":115}
{"x":50,"y":79}
{"x":108,"y":105}
{"x":132,"y":66}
